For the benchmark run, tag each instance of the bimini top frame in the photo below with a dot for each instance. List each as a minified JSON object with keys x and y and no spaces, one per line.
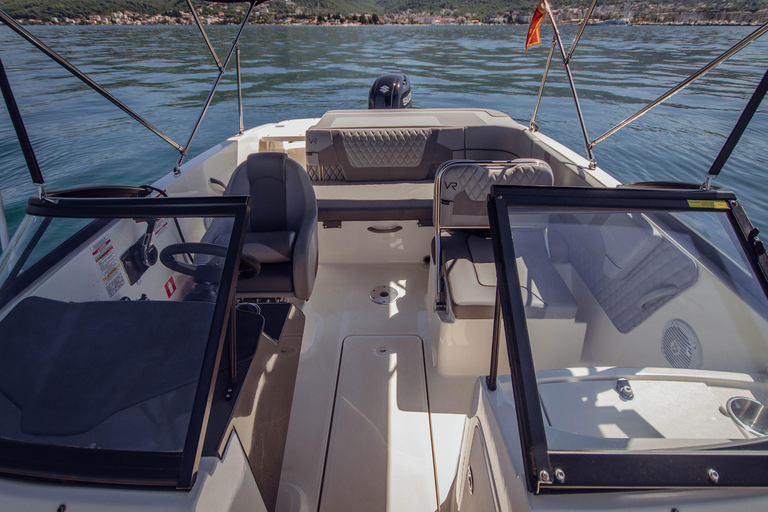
{"x":34,"y":168}
{"x":735,"y":134}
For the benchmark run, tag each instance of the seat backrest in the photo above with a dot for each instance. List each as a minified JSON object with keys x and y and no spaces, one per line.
{"x":275,"y":183}
{"x":462,"y":188}
{"x":461,"y":194}
{"x":359,"y":146}
{"x":381,"y":154}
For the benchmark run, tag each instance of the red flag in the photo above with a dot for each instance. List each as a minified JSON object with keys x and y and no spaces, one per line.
{"x":533,"y":31}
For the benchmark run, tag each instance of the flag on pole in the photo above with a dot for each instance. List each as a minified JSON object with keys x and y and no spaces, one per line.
{"x":533,"y":31}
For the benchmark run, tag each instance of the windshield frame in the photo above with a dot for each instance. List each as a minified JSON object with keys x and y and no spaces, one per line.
{"x":175,"y":470}
{"x":735,"y":465}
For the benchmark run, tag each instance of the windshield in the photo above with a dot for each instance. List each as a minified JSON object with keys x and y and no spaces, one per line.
{"x":106,"y":324}
{"x":657,"y":328}
{"x":647,"y":328}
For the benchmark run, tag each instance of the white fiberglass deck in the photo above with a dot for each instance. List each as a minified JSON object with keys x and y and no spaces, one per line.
{"x":379,"y":454}
{"x":373,"y":449}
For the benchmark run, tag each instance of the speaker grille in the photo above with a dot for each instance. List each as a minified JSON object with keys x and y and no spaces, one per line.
{"x":680,"y":346}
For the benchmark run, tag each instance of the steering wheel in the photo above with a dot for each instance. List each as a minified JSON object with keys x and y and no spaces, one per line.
{"x":249,"y":266}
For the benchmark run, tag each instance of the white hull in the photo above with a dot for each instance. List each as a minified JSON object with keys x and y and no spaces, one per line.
{"x":389,"y":408}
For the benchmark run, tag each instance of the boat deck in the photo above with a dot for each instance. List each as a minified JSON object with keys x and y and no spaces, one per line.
{"x":371,"y":422}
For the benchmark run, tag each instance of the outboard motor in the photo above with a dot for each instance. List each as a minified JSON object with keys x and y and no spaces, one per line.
{"x":390,"y":91}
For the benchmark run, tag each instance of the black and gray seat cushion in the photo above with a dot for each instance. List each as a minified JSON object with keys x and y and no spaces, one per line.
{"x":465,"y":186}
{"x":630,"y":267}
{"x":282,"y":227}
{"x":470,"y":276}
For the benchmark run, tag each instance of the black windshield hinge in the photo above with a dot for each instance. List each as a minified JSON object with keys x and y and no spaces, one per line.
{"x":755,"y":242}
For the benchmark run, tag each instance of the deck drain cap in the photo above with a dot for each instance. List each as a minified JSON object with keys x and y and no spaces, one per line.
{"x":384,"y":295}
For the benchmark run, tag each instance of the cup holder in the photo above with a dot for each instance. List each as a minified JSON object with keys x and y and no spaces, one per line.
{"x":749,"y":414}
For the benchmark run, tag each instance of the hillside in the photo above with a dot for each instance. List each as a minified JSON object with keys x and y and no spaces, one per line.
{"x":45,"y":10}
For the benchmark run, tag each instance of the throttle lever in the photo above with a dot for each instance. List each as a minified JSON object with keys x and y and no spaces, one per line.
{"x":148,"y":252}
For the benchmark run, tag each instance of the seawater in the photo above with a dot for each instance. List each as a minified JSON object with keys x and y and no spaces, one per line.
{"x":165,"y":73}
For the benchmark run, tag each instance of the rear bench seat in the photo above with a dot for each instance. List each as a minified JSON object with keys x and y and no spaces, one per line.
{"x":405,"y":144}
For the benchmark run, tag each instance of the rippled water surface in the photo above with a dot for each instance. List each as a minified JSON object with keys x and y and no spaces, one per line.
{"x":165,"y":73}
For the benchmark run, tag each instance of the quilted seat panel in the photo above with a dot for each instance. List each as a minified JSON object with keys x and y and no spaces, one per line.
{"x":394,"y":147}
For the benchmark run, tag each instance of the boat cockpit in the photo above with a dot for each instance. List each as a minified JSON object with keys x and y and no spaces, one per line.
{"x":519,"y":314}
{"x":398,"y":309}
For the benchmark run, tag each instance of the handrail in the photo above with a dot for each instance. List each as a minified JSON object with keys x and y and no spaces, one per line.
{"x":177,"y":169}
{"x":493,"y":374}
{"x":533,"y":126}
{"x":566,"y":62}
{"x":239,"y":91}
{"x":3,"y":226}
{"x":440,"y":300}
{"x":82,"y":76}
{"x":685,"y":83}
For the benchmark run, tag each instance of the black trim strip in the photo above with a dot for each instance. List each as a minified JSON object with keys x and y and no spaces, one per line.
{"x":329,"y":210}
{"x":659,"y":469}
{"x":134,"y":207}
{"x":85,"y":465}
{"x":533,"y":439}
{"x":611,"y":198}
{"x":201,"y":409}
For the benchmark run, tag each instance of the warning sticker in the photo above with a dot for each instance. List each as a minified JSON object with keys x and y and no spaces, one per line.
{"x":160,"y":226}
{"x":720,"y":205}
{"x":170,"y":287}
{"x":109,"y":265}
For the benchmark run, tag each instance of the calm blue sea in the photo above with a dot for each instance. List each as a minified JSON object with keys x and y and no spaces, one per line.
{"x":164,"y":74}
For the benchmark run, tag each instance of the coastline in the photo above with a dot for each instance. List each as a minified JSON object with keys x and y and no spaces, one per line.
{"x":610,"y":16}
{"x":301,"y":23}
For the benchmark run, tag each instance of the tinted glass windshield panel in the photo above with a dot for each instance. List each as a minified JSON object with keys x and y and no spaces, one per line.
{"x":102,"y":343}
{"x":649,"y":330}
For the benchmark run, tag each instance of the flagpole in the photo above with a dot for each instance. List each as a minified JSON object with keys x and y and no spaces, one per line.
{"x":592,"y":163}
{"x":533,"y":126}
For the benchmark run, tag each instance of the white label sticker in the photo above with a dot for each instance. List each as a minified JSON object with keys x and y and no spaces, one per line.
{"x":109,"y":265}
{"x":160,"y":226}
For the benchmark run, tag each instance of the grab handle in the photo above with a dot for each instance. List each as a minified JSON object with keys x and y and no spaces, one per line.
{"x":219,"y":183}
{"x":394,"y":229}
{"x":664,"y":291}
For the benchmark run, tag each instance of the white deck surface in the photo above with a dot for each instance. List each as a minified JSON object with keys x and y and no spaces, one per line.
{"x":380,"y":452}
{"x":341,"y":309}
